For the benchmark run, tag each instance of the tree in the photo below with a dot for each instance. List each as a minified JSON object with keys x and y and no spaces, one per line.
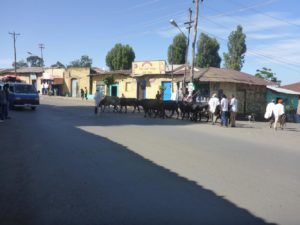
{"x":267,"y":74}
{"x":120,"y":57}
{"x":84,"y":61}
{"x":35,"y":61}
{"x":58,"y":64}
{"x":207,"y":53}
{"x":110,"y":80}
{"x":20,"y":64}
{"x":235,"y":57}
{"x":177,"y":50}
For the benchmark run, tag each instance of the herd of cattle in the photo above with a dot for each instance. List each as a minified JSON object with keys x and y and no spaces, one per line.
{"x":159,"y":108}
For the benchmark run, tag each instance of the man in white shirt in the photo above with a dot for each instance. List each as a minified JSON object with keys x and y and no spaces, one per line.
{"x":213,"y":103}
{"x":233,"y":110}
{"x":46,"y":86}
{"x":278,"y":113}
{"x":97,"y":97}
{"x":269,"y":112}
{"x":224,"y":111}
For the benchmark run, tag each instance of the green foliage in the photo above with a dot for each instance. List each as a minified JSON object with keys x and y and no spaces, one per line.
{"x":84,"y":61}
{"x":207,"y":54}
{"x":120,"y":57}
{"x":20,"y":64}
{"x":58,"y":64}
{"x":237,"y":48}
{"x":110,"y":80}
{"x":267,"y":74}
{"x":177,"y":50}
{"x":35,"y":61}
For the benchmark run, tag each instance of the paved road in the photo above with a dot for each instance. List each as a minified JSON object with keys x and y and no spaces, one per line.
{"x":63,"y":165}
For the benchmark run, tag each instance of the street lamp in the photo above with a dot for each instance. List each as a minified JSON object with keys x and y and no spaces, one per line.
{"x":173,"y":22}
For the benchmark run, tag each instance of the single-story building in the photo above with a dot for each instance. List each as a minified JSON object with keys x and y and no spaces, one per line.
{"x":155,"y":75}
{"x":55,"y":79}
{"x":124,"y":83}
{"x":76,"y":78}
{"x":290,"y":98}
{"x":29,"y":75}
{"x":249,"y":90}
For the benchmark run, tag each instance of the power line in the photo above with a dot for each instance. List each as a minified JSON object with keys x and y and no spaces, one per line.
{"x":245,"y":8}
{"x":270,"y":59}
{"x":268,"y":15}
{"x":257,"y":53}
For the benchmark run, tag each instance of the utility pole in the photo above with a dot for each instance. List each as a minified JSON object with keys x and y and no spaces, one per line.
{"x":189,"y":26}
{"x":15,"y":51}
{"x":42,"y":46}
{"x":195,"y":36}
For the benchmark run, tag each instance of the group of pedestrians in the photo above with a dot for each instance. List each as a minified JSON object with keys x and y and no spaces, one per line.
{"x":45,"y":88}
{"x":4,"y":102}
{"x":275,"y":113}
{"x":227,"y":108}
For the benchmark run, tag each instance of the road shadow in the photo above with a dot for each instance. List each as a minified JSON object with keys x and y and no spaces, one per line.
{"x":69,"y":176}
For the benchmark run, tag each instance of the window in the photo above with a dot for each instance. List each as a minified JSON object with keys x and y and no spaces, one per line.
{"x":127,"y":86}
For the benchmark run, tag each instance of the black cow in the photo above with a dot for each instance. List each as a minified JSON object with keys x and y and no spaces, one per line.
{"x":108,"y":101}
{"x":198,"y":111}
{"x":124,"y":102}
{"x":153,"y":107}
{"x":185,"y":109}
{"x":170,"y":107}
{"x":217,"y":113}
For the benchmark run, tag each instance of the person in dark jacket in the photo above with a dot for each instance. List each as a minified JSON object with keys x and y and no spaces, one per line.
{"x":4,"y":102}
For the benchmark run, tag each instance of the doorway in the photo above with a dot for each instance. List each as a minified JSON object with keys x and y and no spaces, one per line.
{"x":74,"y":87}
{"x":113,"y":90}
{"x":166,"y":90}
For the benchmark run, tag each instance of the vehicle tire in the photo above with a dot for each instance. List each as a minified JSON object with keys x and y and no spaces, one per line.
{"x":33,"y":107}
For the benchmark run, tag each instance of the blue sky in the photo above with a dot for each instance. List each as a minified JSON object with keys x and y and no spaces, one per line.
{"x":71,"y":28}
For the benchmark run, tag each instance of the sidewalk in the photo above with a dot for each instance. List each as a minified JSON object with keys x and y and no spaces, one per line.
{"x":77,"y":99}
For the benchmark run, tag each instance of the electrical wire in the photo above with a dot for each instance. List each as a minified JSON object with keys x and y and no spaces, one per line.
{"x":268,"y":15}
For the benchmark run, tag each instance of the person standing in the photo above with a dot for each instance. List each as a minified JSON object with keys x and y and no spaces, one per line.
{"x":233,"y":110}
{"x":82,"y":93}
{"x":4,"y":102}
{"x":213,"y":103}
{"x":85,"y":93}
{"x":224,"y":111}
{"x":158,"y":96}
{"x":97,"y":97}
{"x":43,"y":88}
{"x":46,"y":87}
{"x":278,"y":113}
{"x":269,"y":115}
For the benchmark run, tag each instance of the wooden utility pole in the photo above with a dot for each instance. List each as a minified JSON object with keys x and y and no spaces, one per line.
{"x":195,"y":36}
{"x":15,"y":50}
{"x":189,"y":26}
{"x":42,"y":46}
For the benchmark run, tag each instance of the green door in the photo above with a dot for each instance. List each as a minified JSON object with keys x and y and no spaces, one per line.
{"x":113,"y":90}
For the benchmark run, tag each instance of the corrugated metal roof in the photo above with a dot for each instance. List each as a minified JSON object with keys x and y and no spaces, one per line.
{"x":293,"y":87}
{"x":24,"y":70}
{"x":283,"y":90}
{"x":213,"y":74}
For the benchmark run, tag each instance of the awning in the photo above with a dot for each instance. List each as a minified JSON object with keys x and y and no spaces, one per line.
{"x":58,"y":81}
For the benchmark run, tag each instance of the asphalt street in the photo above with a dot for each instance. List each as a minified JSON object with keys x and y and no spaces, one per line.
{"x":61,"y":164}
